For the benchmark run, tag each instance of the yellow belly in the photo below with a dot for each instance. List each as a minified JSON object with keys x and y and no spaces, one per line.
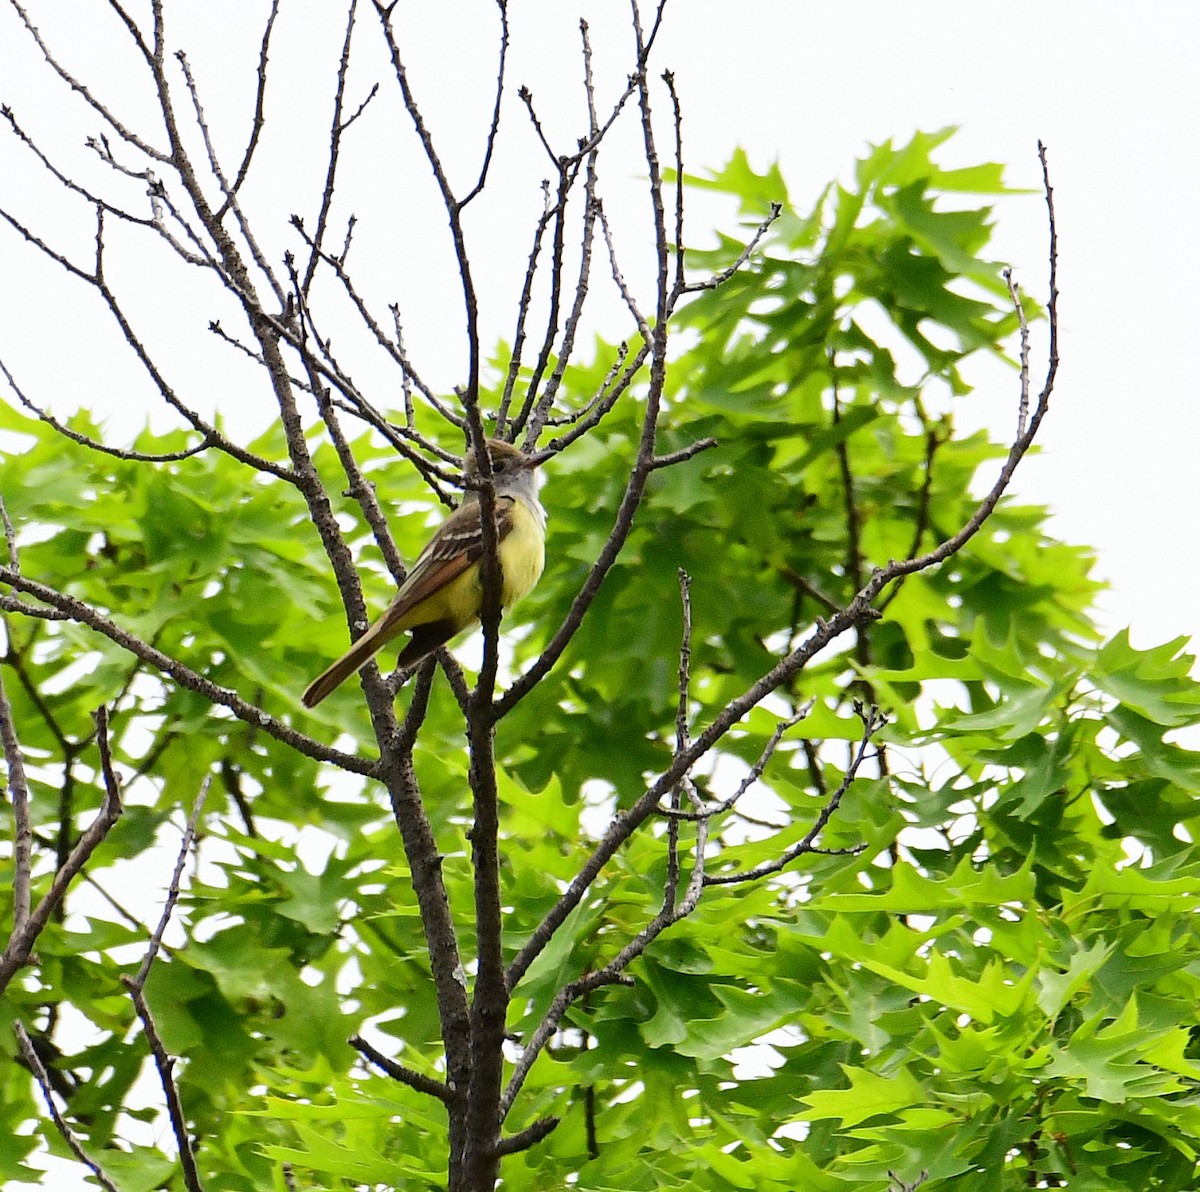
{"x":522,"y":555}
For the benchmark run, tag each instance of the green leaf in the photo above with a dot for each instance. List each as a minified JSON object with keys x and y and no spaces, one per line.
{"x":869,"y":1095}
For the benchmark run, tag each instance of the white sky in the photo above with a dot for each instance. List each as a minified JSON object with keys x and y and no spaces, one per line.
{"x":1112,"y":88}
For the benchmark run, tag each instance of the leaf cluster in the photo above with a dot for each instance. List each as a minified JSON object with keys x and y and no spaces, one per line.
{"x":989,"y":975}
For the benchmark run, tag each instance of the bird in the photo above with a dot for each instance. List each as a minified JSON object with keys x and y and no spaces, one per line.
{"x":443,"y":593}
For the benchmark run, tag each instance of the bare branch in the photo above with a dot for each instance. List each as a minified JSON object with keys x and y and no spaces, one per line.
{"x":566,"y":180}
{"x":216,"y":329}
{"x":719,"y":279}
{"x":755,"y":773}
{"x":259,"y":118}
{"x":572,"y":417}
{"x":64,"y":180}
{"x":131,"y":27}
{"x":20,"y":944}
{"x":932,"y":442}
{"x":803,"y":584}
{"x":18,"y":787}
{"x":684,"y":453}
{"x":335,"y":144}
{"x":528,"y":1137}
{"x":10,"y":538}
{"x":873,"y":721}
{"x":164,"y":1063}
{"x":514,"y":364}
{"x":453,"y":210}
{"x":394,"y":349}
{"x":545,"y":403}
{"x":563,"y":1000}
{"x":407,"y":734}
{"x":680,"y":251}
{"x":682,"y":734}
{"x":494,"y":127}
{"x":138,"y":983}
{"x":635,"y":487}
{"x":95,"y":278}
{"x":606,"y":398}
{"x":10,"y":604}
{"x":526,"y":97}
{"x":611,"y":973}
{"x":231,"y":202}
{"x":1014,"y":293}
{"x":409,"y":1076}
{"x":77,"y":610}
{"x":94,"y":444}
{"x":101,"y":109}
{"x":34,"y":1064}
{"x":631,"y":303}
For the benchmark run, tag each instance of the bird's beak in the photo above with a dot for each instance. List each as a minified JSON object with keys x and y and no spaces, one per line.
{"x":538,"y":458}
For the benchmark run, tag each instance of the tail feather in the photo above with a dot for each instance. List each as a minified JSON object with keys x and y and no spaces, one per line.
{"x":334,"y":676}
{"x":425,"y":639}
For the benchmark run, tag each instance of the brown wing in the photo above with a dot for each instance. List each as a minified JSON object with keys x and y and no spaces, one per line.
{"x":457,"y":544}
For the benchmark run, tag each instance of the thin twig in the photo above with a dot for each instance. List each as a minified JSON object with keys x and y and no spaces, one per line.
{"x":854,"y":556}
{"x":639,"y":473}
{"x":684,"y":453}
{"x":618,"y":278}
{"x":561,"y":1003}
{"x":754,"y":774}
{"x":164,"y":1063}
{"x":67,"y":182}
{"x":101,"y":110}
{"x":545,"y":403}
{"x":259,"y":118}
{"x":682,"y":734}
{"x":397,"y":1071}
{"x":453,"y":211}
{"x":932,"y":442}
{"x":394,"y":349}
{"x":611,"y":973}
{"x":803,"y":584}
{"x":337,"y":127}
{"x":10,"y":538}
{"x":35,"y":1065}
{"x":601,"y":405}
{"x":873,"y":721}
{"x":566,"y":180}
{"x":21,"y":943}
{"x":523,"y":304}
{"x":76,"y":610}
{"x":18,"y":788}
{"x":231,"y":202}
{"x":530,"y":1136}
{"x":83,"y":440}
{"x":574,"y":416}
{"x":185,"y":845}
{"x":494,"y":127}
{"x":680,"y":250}
{"x":719,"y":279}
{"x":1014,"y":293}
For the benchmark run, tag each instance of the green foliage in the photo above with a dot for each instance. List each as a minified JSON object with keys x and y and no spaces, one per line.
{"x":999,"y":988}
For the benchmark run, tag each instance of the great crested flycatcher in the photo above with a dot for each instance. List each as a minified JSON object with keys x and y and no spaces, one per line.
{"x":443,"y":594}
